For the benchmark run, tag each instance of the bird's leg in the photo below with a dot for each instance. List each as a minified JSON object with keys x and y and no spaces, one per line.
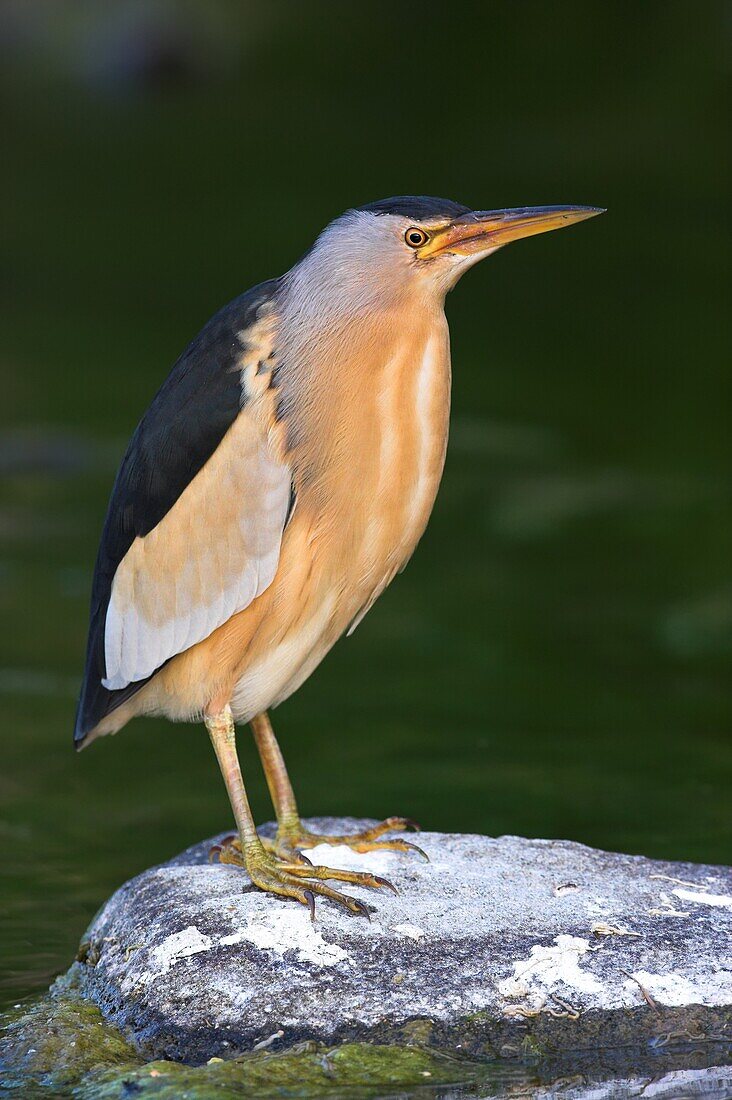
{"x":291,"y":833}
{"x":291,"y":878}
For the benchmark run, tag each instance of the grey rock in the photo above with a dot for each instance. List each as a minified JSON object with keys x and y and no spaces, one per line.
{"x":497,"y":946}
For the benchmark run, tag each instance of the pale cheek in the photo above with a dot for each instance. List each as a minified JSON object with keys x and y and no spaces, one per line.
{"x":464,"y":263}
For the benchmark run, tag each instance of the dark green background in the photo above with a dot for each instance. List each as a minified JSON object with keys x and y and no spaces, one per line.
{"x":555,"y":661}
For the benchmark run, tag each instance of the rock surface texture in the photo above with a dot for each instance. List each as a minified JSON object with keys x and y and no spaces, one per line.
{"x":497,"y":946}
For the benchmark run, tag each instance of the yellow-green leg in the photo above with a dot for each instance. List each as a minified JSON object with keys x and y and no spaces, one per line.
{"x":291,"y":834}
{"x":293,"y":878}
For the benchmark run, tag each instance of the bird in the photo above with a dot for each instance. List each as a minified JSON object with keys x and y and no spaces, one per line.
{"x":279,"y":480}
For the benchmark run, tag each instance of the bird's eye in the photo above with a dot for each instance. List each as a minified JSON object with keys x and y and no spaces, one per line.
{"x":415,"y":238}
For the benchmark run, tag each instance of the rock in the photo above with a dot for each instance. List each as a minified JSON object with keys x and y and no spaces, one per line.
{"x":496,"y":947}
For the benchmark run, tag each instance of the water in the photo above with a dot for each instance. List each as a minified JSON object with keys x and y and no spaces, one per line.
{"x":555,"y":660}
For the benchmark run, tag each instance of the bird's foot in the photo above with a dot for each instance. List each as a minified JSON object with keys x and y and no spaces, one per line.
{"x":296,"y":877}
{"x":292,"y":836}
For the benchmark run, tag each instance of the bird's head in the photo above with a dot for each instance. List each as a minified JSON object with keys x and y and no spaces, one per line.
{"x":417,"y":243}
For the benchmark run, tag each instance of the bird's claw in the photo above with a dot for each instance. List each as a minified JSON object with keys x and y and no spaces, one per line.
{"x":297,"y":877}
{"x":294,"y":837}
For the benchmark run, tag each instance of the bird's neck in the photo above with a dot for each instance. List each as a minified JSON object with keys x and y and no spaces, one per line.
{"x":340,"y":366}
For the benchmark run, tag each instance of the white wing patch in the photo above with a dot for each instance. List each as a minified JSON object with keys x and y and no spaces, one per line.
{"x":213,"y":553}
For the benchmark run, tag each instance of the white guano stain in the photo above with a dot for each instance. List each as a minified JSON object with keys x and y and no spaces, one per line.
{"x":377,"y":862}
{"x":288,"y":931}
{"x":547,"y":967}
{"x":676,"y":990}
{"x":723,"y":901}
{"x":189,"y":941}
{"x":409,"y":930}
{"x":273,"y":931}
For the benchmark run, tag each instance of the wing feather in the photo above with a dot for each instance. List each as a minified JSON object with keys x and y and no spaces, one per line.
{"x":212,"y":554}
{"x":194,"y":524}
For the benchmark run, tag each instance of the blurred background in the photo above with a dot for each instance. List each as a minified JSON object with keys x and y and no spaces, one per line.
{"x":555,"y":661}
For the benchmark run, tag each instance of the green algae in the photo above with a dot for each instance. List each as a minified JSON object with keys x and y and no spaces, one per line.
{"x":307,"y":1070}
{"x":53,"y":1042}
{"x":61,"y":1046}
{"x":417,"y":1032}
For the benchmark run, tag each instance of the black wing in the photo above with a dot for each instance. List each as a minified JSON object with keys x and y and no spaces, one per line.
{"x":188,"y":418}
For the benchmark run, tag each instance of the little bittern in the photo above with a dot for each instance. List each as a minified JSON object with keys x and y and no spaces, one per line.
{"x":281,"y":477}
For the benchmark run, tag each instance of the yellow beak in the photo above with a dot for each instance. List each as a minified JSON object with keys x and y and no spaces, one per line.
{"x":484,"y":230}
